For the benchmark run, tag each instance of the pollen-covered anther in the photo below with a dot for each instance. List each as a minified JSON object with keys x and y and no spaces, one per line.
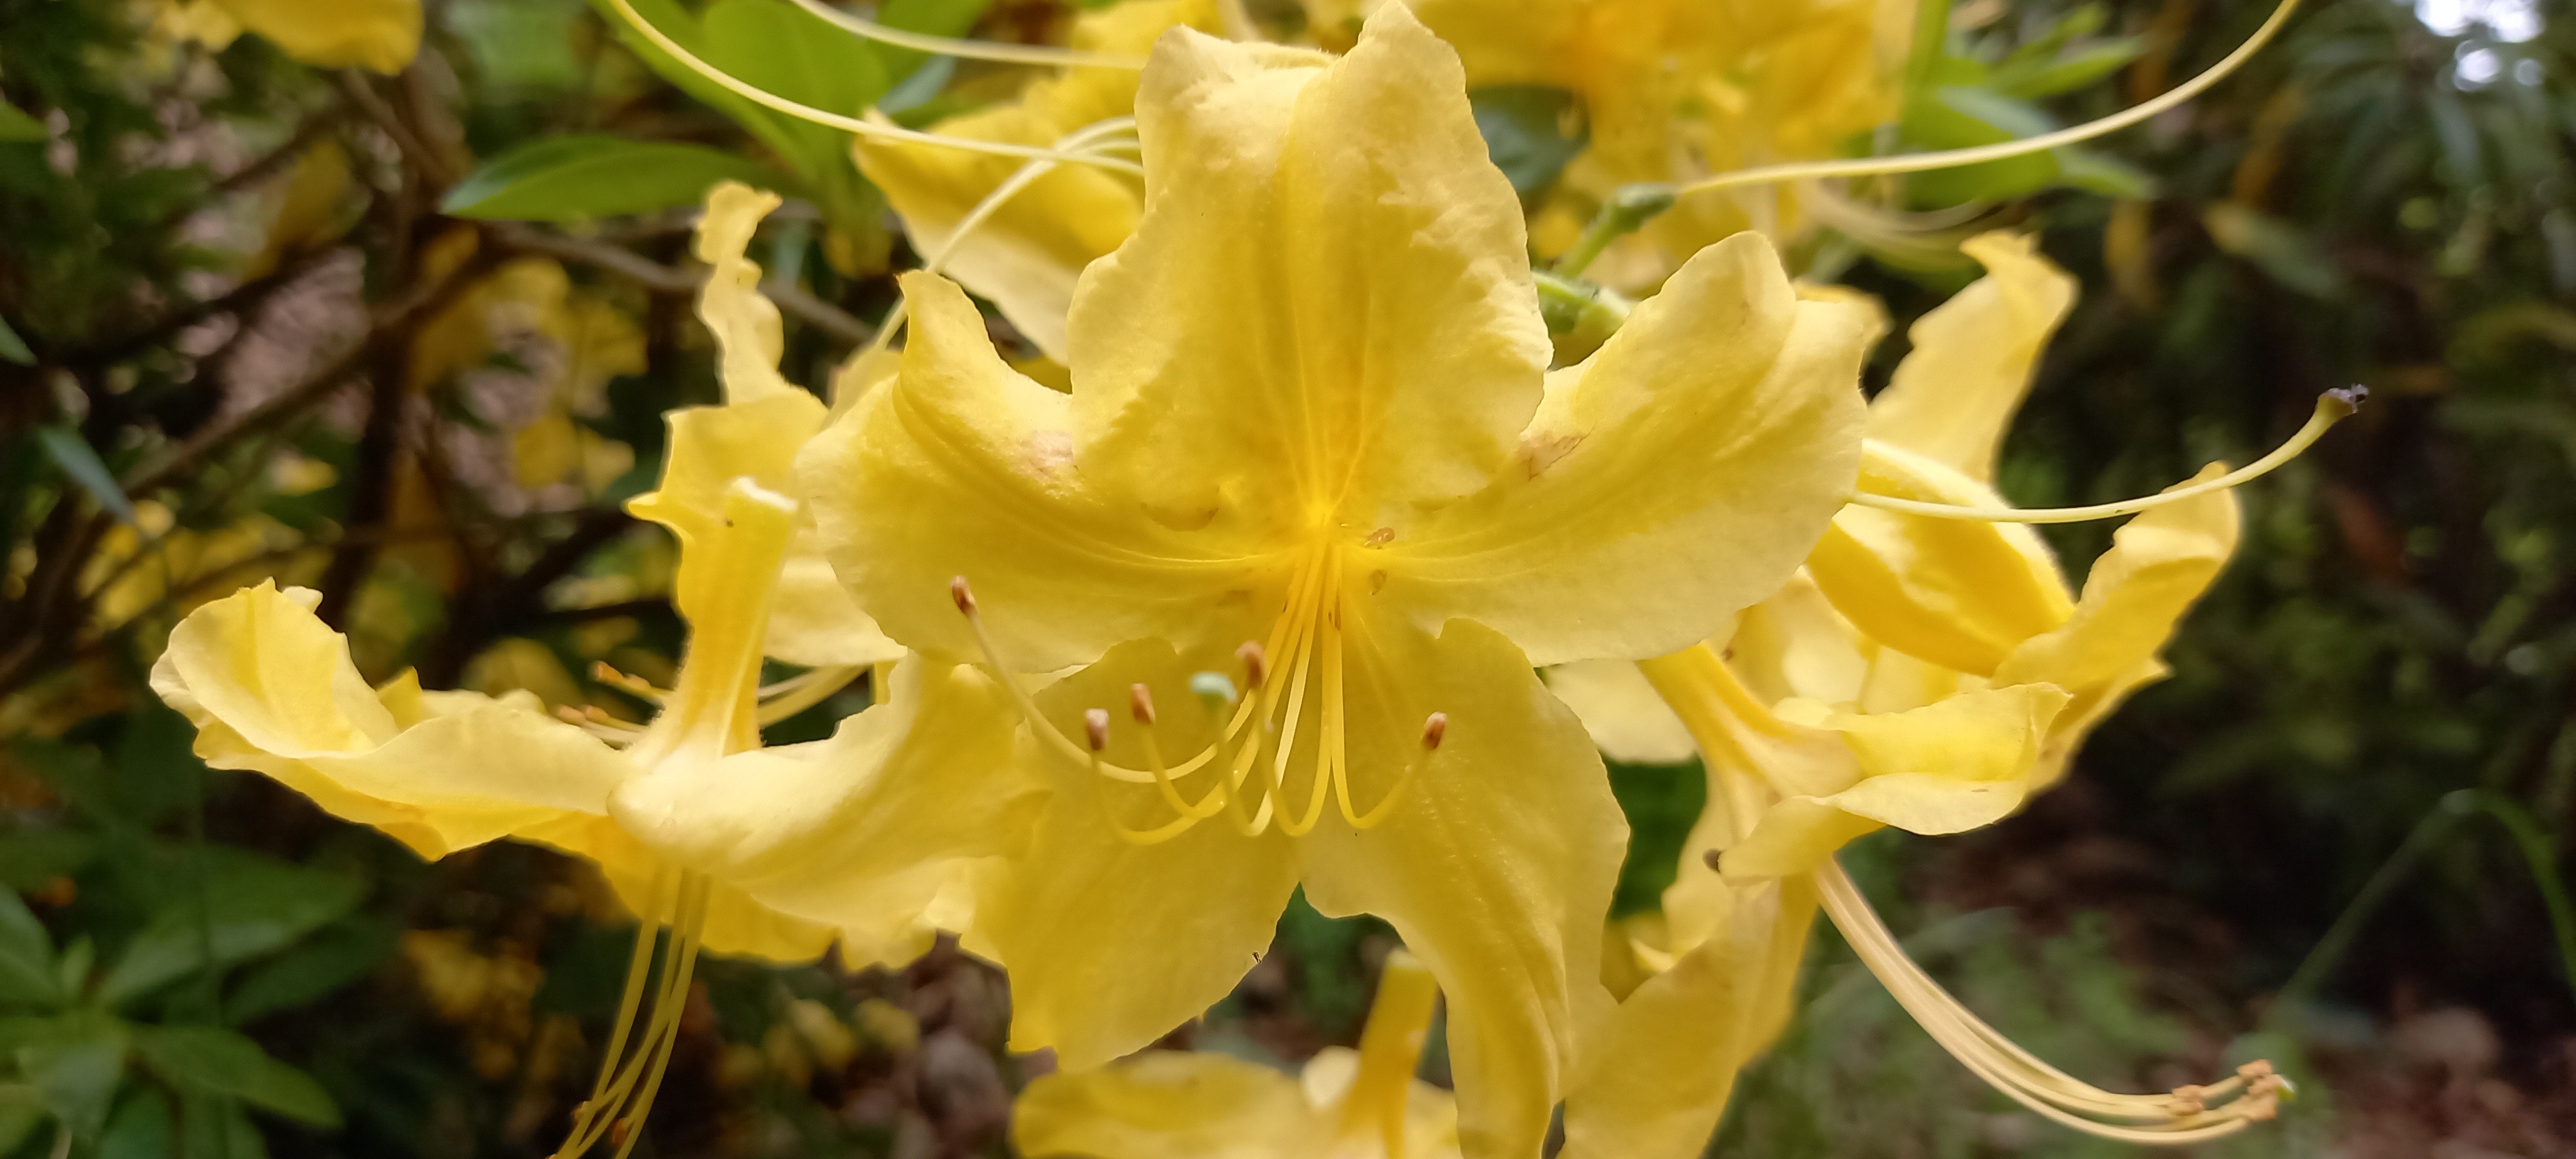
{"x":1435,"y":728}
{"x":961,"y":595}
{"x":627,"y":683}
{"x":2190,"y":1099}
{"x":1256,"y":663}
{"x":1095,"y":728}
{"x":1140,"y":703}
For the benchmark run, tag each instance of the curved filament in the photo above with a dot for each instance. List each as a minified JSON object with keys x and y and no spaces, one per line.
{"x":2332,"y":407}
{"x":1952,"y":158}
{"x":849,"y":124}
{"x":1039,"y":54}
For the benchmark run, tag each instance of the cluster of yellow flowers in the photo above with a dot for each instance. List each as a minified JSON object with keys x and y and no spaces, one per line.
{"x":1258,"y":592}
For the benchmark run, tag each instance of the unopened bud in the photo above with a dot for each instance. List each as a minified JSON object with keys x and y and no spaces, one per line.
{"x":1256,"y":663}
{"x":961,"y":595}
{"x":1433,"y":729}
{"x":1095,"y":727}
{"x":1140,"y":703}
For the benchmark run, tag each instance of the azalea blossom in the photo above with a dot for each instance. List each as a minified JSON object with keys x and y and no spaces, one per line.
{"x":1919,"y":672}
{"x":1344,"y":1104}
{"x":687,"y":816}
{"x":1311,"y":509}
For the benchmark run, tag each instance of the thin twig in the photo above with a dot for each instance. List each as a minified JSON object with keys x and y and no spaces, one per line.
{"x":791,"y":299}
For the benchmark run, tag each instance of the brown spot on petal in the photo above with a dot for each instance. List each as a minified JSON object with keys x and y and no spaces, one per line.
{"x":1542,"y":453}
{"x":1377,"y":581}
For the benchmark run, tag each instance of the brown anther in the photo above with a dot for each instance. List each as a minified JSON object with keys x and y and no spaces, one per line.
{"x":2255,"y":1071}
{"x":2351,"y":397}
{"x":1256,"y":663}
{"x":569,"y":714}
{"x":961,"y":595}
{"x":2189,"y":1099}
{"x":1433,"y":729}
{"x":617,"y":1132}
{"x":597,"y":715}
{"x":1140,"y":703}
{"x":601,"y":672}
{"x":1095,"y":727}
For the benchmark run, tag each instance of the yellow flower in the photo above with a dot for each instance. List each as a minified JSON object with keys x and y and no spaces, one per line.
{"x":870,"y":837}
{"x":377,"y":34}
{"x":1677,"y":89}
{"x":1025,"y":257}
{"x":1347,"y":1104}
{"x":1922,"y":673}
{"x":1312,"y":446}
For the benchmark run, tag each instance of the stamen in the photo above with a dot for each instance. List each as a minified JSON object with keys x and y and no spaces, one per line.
{"x":1256,"y":663}
{"x":1041,"y":54}
{"x":1140,"y":704}
{"x":1952,"y":158}
{"x":624,"y":1090}
{"x":2183,"y":1116}
{"x":2332,"y":407}
{"x":855,"y":125}
{"x":1434,"y":729}
{"x":600,"y":724}
{"x":803,"y":691}
{"x":1095,"y":727}
{"x":635,"y":686}
{"x":964,"y":597}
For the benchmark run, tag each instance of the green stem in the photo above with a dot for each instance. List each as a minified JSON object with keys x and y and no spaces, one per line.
{"x":1629,"y":208}
{"x":2537,"y":851}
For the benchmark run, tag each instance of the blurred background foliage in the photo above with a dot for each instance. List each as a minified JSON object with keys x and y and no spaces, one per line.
{"x":407,"y":339}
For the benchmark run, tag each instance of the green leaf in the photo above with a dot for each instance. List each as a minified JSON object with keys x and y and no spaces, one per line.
{"x":2103,"y":173}
{"x":16,"y":125}
{"x":32,"y":858}
{"x":141,"y":1128}
{"x":247,"y":907}
{"x":935,"y":17}
{"x":797,"y":55}
{"x":671,"y":20}
{"x":73,"y":454}
{"x":2277,"y":247}
{"x":2069,"y":72}
{"x":338,"y":955}
{"x":588,"y":175}
{"x":212,"y":1127}
{"x":14,"y":348}
{"x":210,"y":1060}
{"x":22,"y":1110}
{"x":1956,"y":117}
{"x":1531,"y":131}
{"x":77,"y":1062}
{"x":26,"y":958}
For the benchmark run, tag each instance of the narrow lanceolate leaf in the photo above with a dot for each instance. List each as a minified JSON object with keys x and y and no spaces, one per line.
{"x":14,"y":348}
{"x":26,"y":957}
{"x":73,"y":454}
{"x":210,"y":1060}
{"x":584,"y":176}
{"x":16,"y":125}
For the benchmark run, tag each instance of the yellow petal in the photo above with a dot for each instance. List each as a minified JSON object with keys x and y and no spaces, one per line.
{"x":745,"y":323}
{"x":815,"y":621}
{"x":2158,"y":565}
{"x":1496,"y":868}
{"x":1326,"y":315}
{"x":859,"y":832}
{"x":1668,"y":481}
{"x":1655,"y":1081}
{"x":734,"y":923}
{"x":1621,"y":711}
{"x":378,"y":34}
{"x":962,"y":467}
{"x":1110,"y":945}
{"x":1948,"y":767}
{"x":1795,"y":644}
{"x":710,"y":447}
{"x":1954,"y":395}
{"x":1167,"y":1105}
{"x":271,"y":688}
{"x":1025,"y":257}
{"x":1959,"y":593}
